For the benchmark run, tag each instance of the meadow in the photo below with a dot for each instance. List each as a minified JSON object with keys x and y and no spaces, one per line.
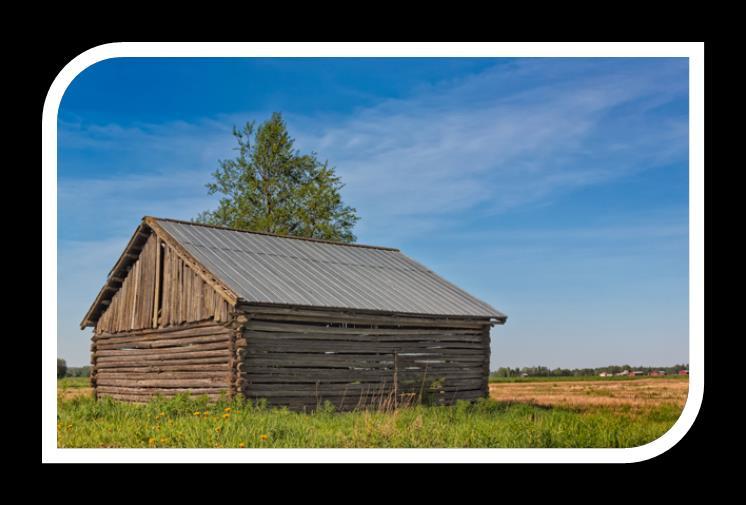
{"x":638,"y":418}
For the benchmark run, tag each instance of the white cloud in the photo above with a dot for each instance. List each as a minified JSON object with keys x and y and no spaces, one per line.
{"x":486,"y":143}
{"x":453,"y":150}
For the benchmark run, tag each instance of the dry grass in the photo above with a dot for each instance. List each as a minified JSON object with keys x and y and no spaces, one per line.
{"x":70,"y":393}
{"x":640,"y":393}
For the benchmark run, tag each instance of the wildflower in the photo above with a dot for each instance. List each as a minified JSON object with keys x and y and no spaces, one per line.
{"x":241,"y":445}
{"x":151,"y":442}
{"x":226,"y":416}
{"x":227,"y":409}
{"x":217,"y":429}
{"x":206,"y":413}
{"x":263,"y":437}
{"x":197,"y":413}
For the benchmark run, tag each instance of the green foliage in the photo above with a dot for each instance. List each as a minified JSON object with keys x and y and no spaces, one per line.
{"x":73,"y":382}
{"x":536,"y":372}
{"x":270,"y":187}
{"x":78,"y":371}
{"x":61,"y":368}
{"x":185,"y":421}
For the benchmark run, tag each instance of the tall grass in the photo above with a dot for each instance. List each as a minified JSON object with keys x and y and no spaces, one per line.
{"x":194,"y":422}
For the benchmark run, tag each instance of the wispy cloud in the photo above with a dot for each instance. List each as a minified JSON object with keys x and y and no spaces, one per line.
{"x":486,"y":143}
{"x":453,"y":149}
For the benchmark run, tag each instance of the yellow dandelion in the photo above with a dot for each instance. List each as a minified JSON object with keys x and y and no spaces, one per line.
{"x":197,"y":413}
{"x":241,"y":445}
{"x":217,"y":429}
{"x":206,"y":413}
{"x":226,"y":415}
{"x":227,"y":409}
{"x":263,"y":437}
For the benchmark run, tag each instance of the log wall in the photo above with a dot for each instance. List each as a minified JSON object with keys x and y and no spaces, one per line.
{"x":300,"y":359}
{"x":160,"y":291}
{"x":135,"y":366}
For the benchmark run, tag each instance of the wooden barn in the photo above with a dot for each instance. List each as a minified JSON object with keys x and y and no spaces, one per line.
{"x":209,"y":310}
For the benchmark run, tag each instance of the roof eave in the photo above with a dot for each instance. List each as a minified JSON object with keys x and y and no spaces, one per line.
{"x":124,"y":259}
{"x":248,"y":305}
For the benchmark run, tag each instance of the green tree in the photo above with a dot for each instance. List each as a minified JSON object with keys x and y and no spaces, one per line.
{"x":271,"y":187}
{"x":61,"y":368}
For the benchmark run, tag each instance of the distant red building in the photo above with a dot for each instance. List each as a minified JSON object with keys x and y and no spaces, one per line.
{"x":683,"y":372}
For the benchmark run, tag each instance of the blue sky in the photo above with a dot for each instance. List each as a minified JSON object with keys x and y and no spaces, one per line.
{"x":554,"y":189}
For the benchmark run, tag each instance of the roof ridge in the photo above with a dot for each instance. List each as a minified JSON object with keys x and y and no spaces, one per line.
{"x":307,"y":239}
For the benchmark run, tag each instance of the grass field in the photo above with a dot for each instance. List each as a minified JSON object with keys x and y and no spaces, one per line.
{"x":539,"y":414}
{"x":638,"y":393}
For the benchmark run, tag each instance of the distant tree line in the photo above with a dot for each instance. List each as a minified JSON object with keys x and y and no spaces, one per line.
{"x":71,"y":371}
{"x":542,"y":371}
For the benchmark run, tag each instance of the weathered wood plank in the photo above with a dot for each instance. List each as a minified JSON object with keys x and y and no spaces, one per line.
{"x":356,"y":360}
{"x":165,"y":343}
{"x":162,"y":391}
{"x":366,"y":388}
{"x":271,"y":326}
{"x":412,"y":337}
{"x":142,"y":362}
{"x":359,"y":317}
{"x":179,"y":366}
{"x":348,"y":376}
{"x":191,"y":329}
{"x":225,"y":293}
{"x":195,"y":374}
{"x":163,"y":356}
{"x":365,"y":347}
{"x":162,"y":351}
{"x":210,"y":382}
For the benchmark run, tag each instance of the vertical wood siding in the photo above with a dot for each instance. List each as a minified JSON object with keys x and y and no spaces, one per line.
{"x":160,"y":291}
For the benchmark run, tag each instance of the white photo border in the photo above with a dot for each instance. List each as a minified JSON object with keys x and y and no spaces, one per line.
{"x":694,"y":51}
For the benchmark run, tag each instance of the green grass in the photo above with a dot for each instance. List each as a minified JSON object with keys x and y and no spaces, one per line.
{"x":83,"y":422}
{"x":585,"y":378}
{"x":73,"y":382}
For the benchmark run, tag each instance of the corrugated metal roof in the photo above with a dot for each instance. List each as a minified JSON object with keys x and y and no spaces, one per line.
{"x":263,"y":268}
